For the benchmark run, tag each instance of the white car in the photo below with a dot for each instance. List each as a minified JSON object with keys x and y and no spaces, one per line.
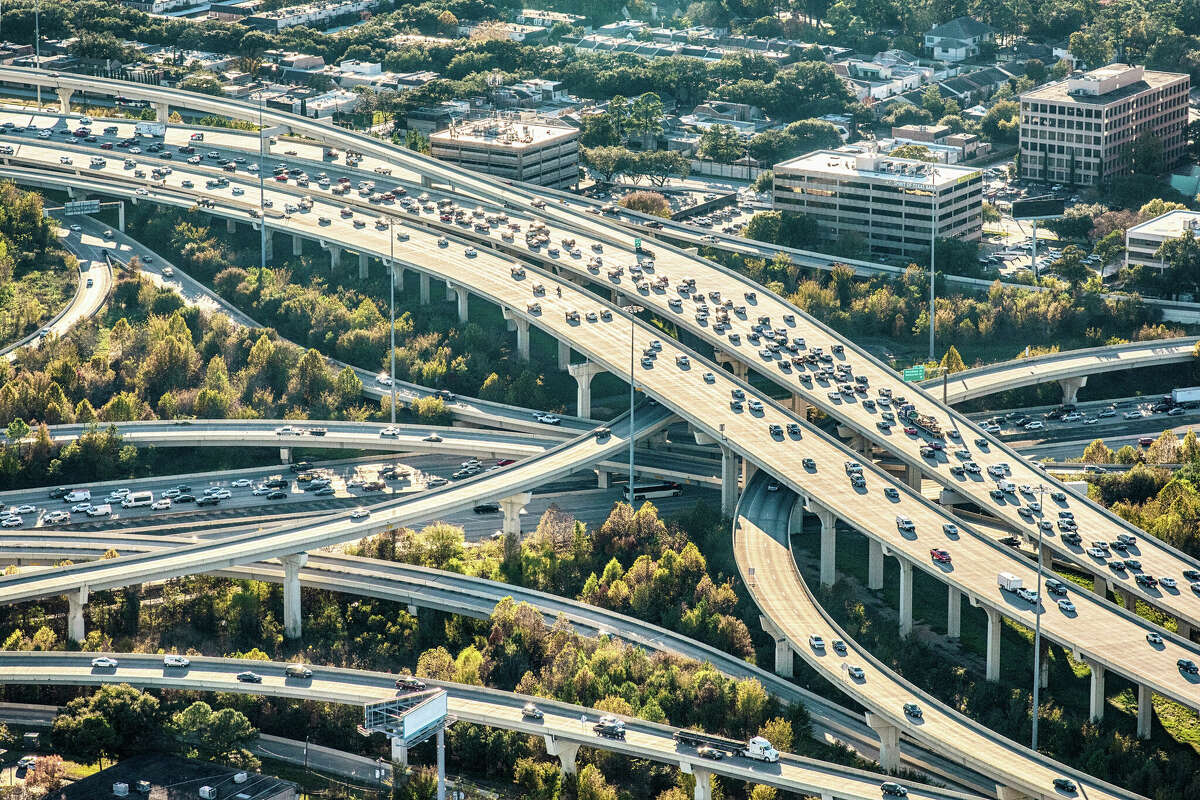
{"x":81,"y":508}
{"x":55,"y":517}
{"x":140,"y":191}
{"x":25,"y":762}
{"x":104,"y":662}
{"x":237,"y":190}
{"x":242,"y":482}
{"x":1036,"y":425}
{"x":173,"y":660}
{"x":220,"y":494}
{"x":77,"y":228}
{"x":1132,"y":415}
{"x":260,"y":491}
{"x":11,"y":522}
{"x":359,"y":513}
{"x":383,"y":380}
{"x":24,"y":508}
{"x":161,"y":504}
{"x":551,"y":419}
{"x":390,"y":430}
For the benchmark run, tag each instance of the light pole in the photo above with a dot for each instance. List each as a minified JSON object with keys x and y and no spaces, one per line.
{"x":1037,"y":625}
{"x":633,"y":310}
{"x":262,"y":206}
{"x":37,"y":45}
{"x":392,"y":312}
{"x":932,"y":256}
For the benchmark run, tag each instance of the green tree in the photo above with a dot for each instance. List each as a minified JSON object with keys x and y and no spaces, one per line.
{"x":952,"y":362}
{"x":1182,"y":257}
{"x":648,"y":203}
{"x":608,"y":161}
{"x":116,"y":722}
{"x":203,"y":83}
{"x":916,"y":151}
{"x":212,"y":735}
{"x":1091,"y":46}
{"x":721,"y":143}
{"x":645,"y":116}
{"x":1001,"y":122}
{"x":1071,"y":268}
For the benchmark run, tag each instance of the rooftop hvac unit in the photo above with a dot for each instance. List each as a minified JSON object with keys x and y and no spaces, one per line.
{"x":121,"y":789}
{"x":143,"y":787}
{"x":208,"y":793}
{"x":240,"y":777}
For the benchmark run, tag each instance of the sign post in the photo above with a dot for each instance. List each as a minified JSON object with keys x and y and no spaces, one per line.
{"x":1033,"y":209}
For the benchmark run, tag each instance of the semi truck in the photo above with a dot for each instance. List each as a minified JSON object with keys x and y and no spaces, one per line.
{"x":150,"y":130}
{"x":757,"y":748}
{"x":1179,"y":397}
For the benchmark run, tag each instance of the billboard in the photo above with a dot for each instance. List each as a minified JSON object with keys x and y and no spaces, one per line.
{"x":425,"y":716}
{"x":74,"y":207}
{"x":1038,"y":208}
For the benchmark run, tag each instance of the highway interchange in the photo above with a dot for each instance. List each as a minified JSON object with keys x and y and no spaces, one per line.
{"x":700,"y":392}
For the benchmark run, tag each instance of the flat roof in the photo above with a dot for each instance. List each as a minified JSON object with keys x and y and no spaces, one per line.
{"x":172,"y":778}
{"x":515,"y":134}
{"x":1057,"y":92}
{"x":1170,"y":225}
{"x":878,"y":167}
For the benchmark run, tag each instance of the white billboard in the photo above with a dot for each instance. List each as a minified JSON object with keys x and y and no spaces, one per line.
{"x":425,"y":716}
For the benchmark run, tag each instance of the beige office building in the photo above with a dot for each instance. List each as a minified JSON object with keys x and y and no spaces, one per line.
{"x":1080,"y":131}
{"x":522,"y":150}
{"x":1142,"y":241}
{"x":889,"y":201}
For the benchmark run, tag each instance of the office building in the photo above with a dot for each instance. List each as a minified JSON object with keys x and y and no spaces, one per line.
{"x":1142,"y":241}
{"x":1080,"y":131}
{"x":535,"y":151}
{"x":888,"y":201}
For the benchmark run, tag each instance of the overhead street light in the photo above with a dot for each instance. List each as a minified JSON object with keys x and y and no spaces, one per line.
{"x":633,"y":311}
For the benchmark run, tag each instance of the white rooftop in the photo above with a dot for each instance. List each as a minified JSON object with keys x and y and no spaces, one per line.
{"x":875,"y":166}
{"x":516,"y":134}
{"x":1170,"y":225}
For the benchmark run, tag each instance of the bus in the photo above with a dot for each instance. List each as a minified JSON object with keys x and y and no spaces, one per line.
{"x":646,"y":491}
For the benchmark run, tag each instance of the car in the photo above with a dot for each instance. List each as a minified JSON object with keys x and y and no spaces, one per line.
{"x":410,"y":683}
{"x":277,"y":495}
{"x":359,"y":513}
{"x":297,"y":671}
{"x":325,"y":491}
{"x":709,"y":752}
{"x":104,"y":662}
{"x":81,"y":508}
{"x":1064,"y":784}
{"x":11,"y":522}
{"x":950,"y":529}
{"x":174,"y":660}
{"x":891,"y":493}
{"x":1153,"y":638}
{"x":1028,"y":595}
{"x":24,"y":508}
{"x":55,"y":517}
{"x":912,"y":710}
{"x":793,"y":429}
{"x":25,"y":762}
{"x":249,"y":677}
{"x":808,"y":463}
{"x":1056,"y":587}
{"x":241,"y":483}
{"x":530,"y":711}
{"x":1096,"y":552}
{"x":709,"y":377}
{"x":1132,"y":415}
{"x":893,"y":789}
{"x":1066,"y":606}
{"x":939,"y":555}
{"x":1167,"y":583}
{"x":433,"y":437}
{"x":161,"y":504}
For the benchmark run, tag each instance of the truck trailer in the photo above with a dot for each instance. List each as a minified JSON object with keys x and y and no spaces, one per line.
{"x":757,"y":748}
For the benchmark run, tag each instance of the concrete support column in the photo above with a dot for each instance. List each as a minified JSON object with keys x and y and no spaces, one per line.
{"x":603,"y":479}
{"x":912,"y":477}
{"x":364,"y":269}
{"x":874,"y":564}
{"x":76,"y":627}
{"x":424,"y":289}
{"x":749,"y":470}
{"x":1100,"y":584}
{"x":566,"y":752}
{"x":230,"y":225}
{"x":953,"y":613}
{"x":703,"y":783}
{"x":994,"y":626}
{"x":1044,"y":664}
{"x":564,"y":354}
{"x":889,"y":742}
{"x":799,"y":406}
{"x":512,"y":512}
{"x":1096,"y":694}
{"x":270,"y":247}
{"x":335,"y":256}
{"x":783,"y":648}
{"x":121,"y":217}
{"x":1145,"y":711}
{"x":583,"y":374}
{"x":828,"y":541}
{"x":399,"y":752}
{"x":297,"y":245}
{"x":285,"y":455}
{"x":162,"y":112}
{"x":1070,"y":389}
{"x":1184,"y":628}
{"x":64,"y":99}
{"x":462,"y":297}
{"x":521,"y":326}
{"x":729,"y":481}
{"x":906,"y":582}
{"x":397,"y":276}
{"x":291,"y":593}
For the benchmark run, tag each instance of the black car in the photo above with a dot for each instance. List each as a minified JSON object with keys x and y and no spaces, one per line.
{"x":207,"y":500}
{"x":1064,"y":784}
{"x":1011,"y":541}
{"x":487,"y":508}
{"x":249,"y":677}
{"x":60,"y":492}
{"x":301,"y":466}
{"x":183,"y":487}
{"x":277,"y":495}
{"x":893,"y":789}
{"x":324,"y":491}
{"x":410,"y":683}
{"x":185,"y":498}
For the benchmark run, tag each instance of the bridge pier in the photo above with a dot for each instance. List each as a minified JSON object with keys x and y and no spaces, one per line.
{"x":297,"y":245}
{"x":230,"y":225}
{"x":1145,"y":711}
{"x":335,"y":255}
{"x":285,"y":455}
{"x":399,"y":751}
{"x":828,"y":540}
{"x":364,"y":270}
{"x":512,"y":512}
{"x":1096,"y":694}
{"x":64,"y":99}
{"x":729,"y":481}
{"x":291,"y":593}
{"x":566,"y":752}
{"x":121,"y":217}
{"x":603,"y":479}
{"x":912,"y":477}
{"x":162,"y":112}
{"x":269,"y":246}
{"x":889,"y":742}
{"x":906,"y":582}
{"x":994,"y":626}
{"x":1070,"y":388}
{"x":703,"y":778}
{"x":460,"y":294}
{"x":783,"y":648}
{"x":1100,"y":584}
{"x":564,"y":354}
{"x":397,"y":276}
{"x":583,"y":374}
{"x":1044,"y":663}
{"x":76,"y":625}
{"x":1184,"y":628}
{"x":798,"y":405}
{"x":521,"y":326}
{"x":953,"y":613}
{"x":424,"y":288}
{"x":874,"y":564}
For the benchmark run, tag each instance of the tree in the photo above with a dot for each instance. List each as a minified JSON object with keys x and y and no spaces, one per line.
{"x":116,"y":722}
{"x":1156,"y":208}
{"x":915,"y":151}
{"x":607,"y":161}
{"x":645,"y":116}
{"x":1001,"y":122}
{"x":1146,"y":154}
{"x":952,"y":362}
{"x":1035,"y":70}
{"x":1097,"y":453}
{"x":1091,"y":47}
{"x":721,"y":143}
{"x":648,"y":203}
{"x":1182,"y":257}
{"x":213,"y":735}
{"x":1071,"y":268}
{"x":593,"y":786}
{"x":203,"y":83}
{"x":660,"y":165}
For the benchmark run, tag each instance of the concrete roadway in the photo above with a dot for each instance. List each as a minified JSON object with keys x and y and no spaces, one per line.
{"x":565,"y":726}
{"x":1102,"y":632}
{"x":762,"y":550}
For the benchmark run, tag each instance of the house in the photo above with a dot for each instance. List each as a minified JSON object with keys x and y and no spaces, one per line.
{"x":958,"y":39}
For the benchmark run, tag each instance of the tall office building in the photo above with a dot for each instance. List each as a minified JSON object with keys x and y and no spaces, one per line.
{"x":889,"y":201}
{"x":1080,"y":131}
{"x":522,"y":150}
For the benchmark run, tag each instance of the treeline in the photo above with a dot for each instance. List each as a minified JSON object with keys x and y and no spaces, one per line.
{"x":37,"y":277}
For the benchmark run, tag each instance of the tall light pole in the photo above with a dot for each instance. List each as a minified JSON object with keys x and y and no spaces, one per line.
{"x":933,"y":199}
{"x":1037,"y":625}
{"x":392,"y":312}
{"x":262,"y":206}
{"x":633,"y":310}
{"x":37,"y":45}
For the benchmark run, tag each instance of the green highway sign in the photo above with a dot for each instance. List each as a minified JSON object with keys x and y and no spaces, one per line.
{"x":916,"y":373}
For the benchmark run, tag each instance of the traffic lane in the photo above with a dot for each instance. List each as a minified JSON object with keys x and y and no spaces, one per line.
{"x":95,"y":276}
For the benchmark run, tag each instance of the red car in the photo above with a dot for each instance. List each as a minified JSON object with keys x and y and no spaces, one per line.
{"x":910,"y":431}
{"x":1146,"y":441}
{"x":504,"y":462}
{"x":940,"y":556}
